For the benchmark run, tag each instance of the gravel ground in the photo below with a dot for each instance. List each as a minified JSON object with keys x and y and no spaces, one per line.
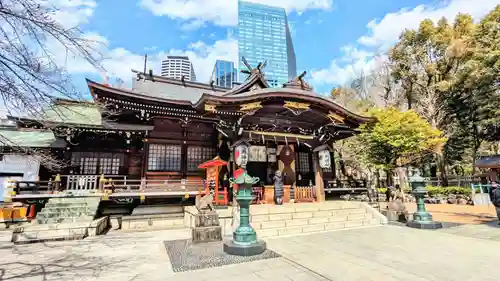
{"x":186,"y":256}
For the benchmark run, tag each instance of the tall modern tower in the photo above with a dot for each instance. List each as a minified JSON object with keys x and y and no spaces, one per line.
{"x":178,"y":66}
{"x":224,"y":74}
{"x":264,"y":35}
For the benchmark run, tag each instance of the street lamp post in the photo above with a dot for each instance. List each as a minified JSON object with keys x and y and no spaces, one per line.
{"x":421,"y":218}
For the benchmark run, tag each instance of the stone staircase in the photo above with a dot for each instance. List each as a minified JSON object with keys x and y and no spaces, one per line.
{"x":298,"y":218}
{"x":63,"y":219}
{"x":68,"y":210}
{"x":271,"y":221}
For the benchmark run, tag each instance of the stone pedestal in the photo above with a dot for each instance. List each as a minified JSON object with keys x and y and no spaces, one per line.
{"x":207,"y":228}
{"x":256,"y":248}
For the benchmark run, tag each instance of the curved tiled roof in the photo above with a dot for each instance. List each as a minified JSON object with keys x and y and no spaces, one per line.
{"x":186,"y":94}
{"x":282,"y":93}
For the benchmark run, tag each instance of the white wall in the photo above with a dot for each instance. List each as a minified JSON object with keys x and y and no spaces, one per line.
{"x":18,"y":164}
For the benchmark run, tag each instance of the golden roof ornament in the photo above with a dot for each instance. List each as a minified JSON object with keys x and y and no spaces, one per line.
{"x":298,"y":83}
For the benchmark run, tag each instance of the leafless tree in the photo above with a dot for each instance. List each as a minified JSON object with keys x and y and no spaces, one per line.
{"x":30,"y":77}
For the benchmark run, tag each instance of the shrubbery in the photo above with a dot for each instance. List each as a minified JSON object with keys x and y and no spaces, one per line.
{"x":439,"y":190}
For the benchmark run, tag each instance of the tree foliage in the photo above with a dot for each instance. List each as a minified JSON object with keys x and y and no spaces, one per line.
{"x":397,"y":135}
{"x":449,"y":74}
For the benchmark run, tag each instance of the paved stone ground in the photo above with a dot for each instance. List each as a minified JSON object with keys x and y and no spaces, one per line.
{"x":488,"y":231}
{"x":456,"y":213}
{"x":375,"y":253}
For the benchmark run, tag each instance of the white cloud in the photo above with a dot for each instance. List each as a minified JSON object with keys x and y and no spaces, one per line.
{"x":221,"y":12}
{"x":386,"y":31}
{"x":72,"y":13}
{"x":341,"y":71}
{"x":119,"y":61}
{"x":382,"y":34}
{"x":203,"y":56}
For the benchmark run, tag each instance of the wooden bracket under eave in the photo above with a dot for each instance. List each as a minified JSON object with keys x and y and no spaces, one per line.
{"x":336,"y":118}
{"x":210,"y":107}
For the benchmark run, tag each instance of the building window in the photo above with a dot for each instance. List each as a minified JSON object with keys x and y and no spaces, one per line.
{"x":93,"y":163}
{"x":197,"y":155}
{"x":109,"y":164}
{"x":304,"y":166}
{"x":164,"y":158}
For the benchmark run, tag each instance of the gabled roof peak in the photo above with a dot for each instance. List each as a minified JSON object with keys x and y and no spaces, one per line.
{"x":299,"y":83}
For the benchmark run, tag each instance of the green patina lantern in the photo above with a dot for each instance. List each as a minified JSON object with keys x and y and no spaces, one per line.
{"x":421,"y":218}
{"x":244,"y":241}
{"x":244,"y":234}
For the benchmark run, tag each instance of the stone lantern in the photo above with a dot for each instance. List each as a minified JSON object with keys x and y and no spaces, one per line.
{"x":421,"y":218}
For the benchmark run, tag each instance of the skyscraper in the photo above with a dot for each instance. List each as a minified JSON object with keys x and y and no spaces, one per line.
{"x":178,"y":66}
{"x":264,"y":35}
{"x":224,"y":73}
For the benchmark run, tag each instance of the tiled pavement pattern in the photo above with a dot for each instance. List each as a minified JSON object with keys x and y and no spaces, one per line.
{"x":374,"y":253}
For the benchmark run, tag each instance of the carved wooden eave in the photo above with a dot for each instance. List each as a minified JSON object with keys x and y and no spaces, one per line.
{"x":210,"y":108}
{"x":297,"y":108}
{"x":335,"y":118}
{"x":323,"y":147}
{"x":253,"y":106}
{"x":299,"y":99}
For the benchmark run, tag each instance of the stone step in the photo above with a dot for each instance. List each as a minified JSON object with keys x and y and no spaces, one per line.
{"x":148,"y":223}
{"x":62,"y":215}
{"x":293,"y":230}
{"x":68,"y":210}
{"x":49,"y":235}
{"x":344,"y":214}
{"x":287,"y":221}
{"x":64,"y":220}
{"x":57,"y":232}
{"x":73,"y":200}
{"x":306,"y":207}
{"x":70,"y":205}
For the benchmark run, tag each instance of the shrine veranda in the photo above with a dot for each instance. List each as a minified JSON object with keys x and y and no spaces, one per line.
{"x":144,"y":145}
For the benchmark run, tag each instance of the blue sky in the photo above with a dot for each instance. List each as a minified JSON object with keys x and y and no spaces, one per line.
{"x":334,"y":39}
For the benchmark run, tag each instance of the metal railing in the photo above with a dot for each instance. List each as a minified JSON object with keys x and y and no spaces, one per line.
{"x":480,"y":194}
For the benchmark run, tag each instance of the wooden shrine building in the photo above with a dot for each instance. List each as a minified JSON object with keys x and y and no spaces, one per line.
{"x":163,"y":129}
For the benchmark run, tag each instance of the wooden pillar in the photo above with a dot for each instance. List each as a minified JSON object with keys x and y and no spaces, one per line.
{"x":318,"y":178}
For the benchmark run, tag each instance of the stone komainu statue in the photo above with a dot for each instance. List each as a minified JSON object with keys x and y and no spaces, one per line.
{"x":204,"y":204}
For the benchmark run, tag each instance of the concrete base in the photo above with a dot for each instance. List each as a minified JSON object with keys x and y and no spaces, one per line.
{"x":58,"y":232}
{"x":425,"y":225}
{"x":244,"y":250}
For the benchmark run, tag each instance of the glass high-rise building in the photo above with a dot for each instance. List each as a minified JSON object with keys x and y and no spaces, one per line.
{"x":264,"y":35}
{"x":224,"y":74}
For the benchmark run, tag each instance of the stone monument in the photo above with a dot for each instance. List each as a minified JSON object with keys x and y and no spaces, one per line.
{"x":207,"y":227}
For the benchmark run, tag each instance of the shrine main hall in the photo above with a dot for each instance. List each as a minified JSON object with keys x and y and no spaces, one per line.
{"x":162,"y":129}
